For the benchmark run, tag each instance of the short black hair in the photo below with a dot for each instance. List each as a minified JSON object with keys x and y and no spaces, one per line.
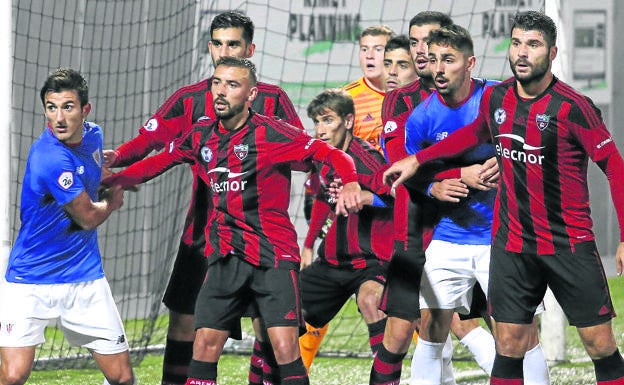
{"x":537,"y":21}
{"x":454,"y":36}
{"x":239,"y":62}
{"x":66,"y":79}
{"x":431,"y":17}
{"x":398,"y":42}
{"x":232,"y":19}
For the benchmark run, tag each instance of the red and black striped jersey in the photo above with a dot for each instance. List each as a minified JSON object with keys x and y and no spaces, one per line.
{"x":409,"y":217}
{"x":174,"y":119}
{"x":543,"y":146}
{"x":359,"y":239}
{"x":396,"y":108}
{"x":248,"y":174}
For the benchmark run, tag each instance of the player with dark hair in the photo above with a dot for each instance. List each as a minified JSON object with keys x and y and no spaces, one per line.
{"x":459,"y":254}
{"x":353,"y":256}
{"x":400,"y":300}
{"x":231,"y":34}
{"x":399,"y":68}
{"x":367,"y":93}
{"x":544,"y":133}
{"x":253,"y":257}
{"x":55,"y":268}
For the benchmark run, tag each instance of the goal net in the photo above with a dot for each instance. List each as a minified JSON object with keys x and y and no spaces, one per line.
{"x":134,"y":54}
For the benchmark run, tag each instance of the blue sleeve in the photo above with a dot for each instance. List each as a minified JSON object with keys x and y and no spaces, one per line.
{"x":414,"y":130}
{"x":56,"y":174}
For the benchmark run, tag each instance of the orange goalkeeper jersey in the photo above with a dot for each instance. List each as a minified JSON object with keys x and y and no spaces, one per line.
{"x":368,"y":101}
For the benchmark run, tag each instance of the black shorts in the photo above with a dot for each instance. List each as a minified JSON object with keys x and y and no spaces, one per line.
{"x":187,"y":277}
{"x":400,"y":297}
{"x":577,"y":279}
{"x":232,"y":284}
{"x":326,"y":288}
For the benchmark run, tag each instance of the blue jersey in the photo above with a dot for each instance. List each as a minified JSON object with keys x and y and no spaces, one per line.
{"x":470,"y":221}
{"x":50,"y":247}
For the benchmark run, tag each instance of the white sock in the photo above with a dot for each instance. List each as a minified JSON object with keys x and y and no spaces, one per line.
{"x":448,"y":377}
{"x":481,"y":344}
{"x":427,"y":363}
{"x":535,"y":367}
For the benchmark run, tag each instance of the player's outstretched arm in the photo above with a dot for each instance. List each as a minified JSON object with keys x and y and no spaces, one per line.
{"x":401,"y":171}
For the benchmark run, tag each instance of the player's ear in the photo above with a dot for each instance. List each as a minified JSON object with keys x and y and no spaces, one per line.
{"x":251,"y":49}
{"x":553,"y":52}
{"x":85,"y":110}
{"x":348,"y":121}
{"x":471,"y":62}
{"x":253,"y":92}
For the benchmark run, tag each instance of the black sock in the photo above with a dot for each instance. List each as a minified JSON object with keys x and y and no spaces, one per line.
{"x":609,"y":368}
{"x":294,"y":373}
{"x":507,"y":369}
{"x":178,"y":355}
{"x":202,"y":370}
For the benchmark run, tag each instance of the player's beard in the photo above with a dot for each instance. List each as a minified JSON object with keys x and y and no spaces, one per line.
{"x":231,"y":111}
{"x":539,"y":68}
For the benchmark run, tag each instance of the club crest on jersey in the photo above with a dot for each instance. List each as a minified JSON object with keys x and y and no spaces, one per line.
{"x":390,"y":126}
{"x":241,"y":151}
{"x":151,"y":125}
{"x":500,"y":116}
{"x":206,"y":154}
{"x":97,"y":158}
{"x":542,"y":121}
{"x":66,"y":180}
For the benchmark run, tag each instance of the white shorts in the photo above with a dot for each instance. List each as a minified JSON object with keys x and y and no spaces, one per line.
{"x":87,"y":313}
{"x":450,"y":273}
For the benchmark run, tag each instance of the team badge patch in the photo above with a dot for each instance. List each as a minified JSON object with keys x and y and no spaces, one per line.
{"x":206,"y":154}
{"x":390,"y":126}
{"x":241,"y":151}
{"x":542,"y":121}
{"x":66,"y":180}
{"x":97,"y":158}
{"x":151,"y":125}
{"x":500,"y":116}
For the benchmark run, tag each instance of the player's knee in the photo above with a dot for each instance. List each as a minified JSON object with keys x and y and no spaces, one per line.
{"x":125,"y":377}
{"x":13,"y":376}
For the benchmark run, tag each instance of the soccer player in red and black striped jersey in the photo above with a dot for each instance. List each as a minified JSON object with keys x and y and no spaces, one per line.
{"x":231,"y":35}
{"x":253,"y":258}
{"x":544,"y":132}
{"x":354,"y":254}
